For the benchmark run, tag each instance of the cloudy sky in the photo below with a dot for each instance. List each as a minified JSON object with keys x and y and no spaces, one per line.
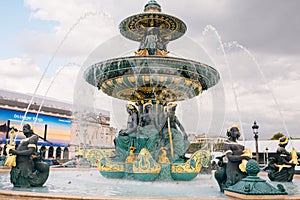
{"x":254,"y":45}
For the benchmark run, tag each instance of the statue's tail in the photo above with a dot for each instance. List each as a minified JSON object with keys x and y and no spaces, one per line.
{"x":40,"y":176}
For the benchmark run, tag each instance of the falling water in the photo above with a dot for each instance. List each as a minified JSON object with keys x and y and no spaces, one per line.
{"x":51,"y":83}
{"x":236,"y":44}
{"x":87,"y":14}
{"x":211,"y":28}
{"x":194,"y":50}
{"x":222,"y":90}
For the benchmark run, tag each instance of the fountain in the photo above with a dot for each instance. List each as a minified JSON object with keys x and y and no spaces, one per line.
{"x":150,"y":83}
{"x":153,"y":145}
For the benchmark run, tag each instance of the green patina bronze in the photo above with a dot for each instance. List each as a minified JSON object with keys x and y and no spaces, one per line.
{"x":254,"y":185}
{"x":160,"y":78}
{"x":153,"y":145}
{"x":135,"y":27}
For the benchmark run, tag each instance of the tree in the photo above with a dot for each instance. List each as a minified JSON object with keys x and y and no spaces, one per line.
{"x":276,"y":136}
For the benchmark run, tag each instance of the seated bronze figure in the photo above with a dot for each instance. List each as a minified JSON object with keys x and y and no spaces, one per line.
{"x":232,"y":171}
{"x":281,"y":167}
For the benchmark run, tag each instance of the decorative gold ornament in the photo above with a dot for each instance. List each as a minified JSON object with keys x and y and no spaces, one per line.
{"x":248,"y":153}
{"x":145,"y":163}
{"x":162,"y":158}
{"x":142,"y":52}
{"x":132,"y":157}
{"x":198,"y":160}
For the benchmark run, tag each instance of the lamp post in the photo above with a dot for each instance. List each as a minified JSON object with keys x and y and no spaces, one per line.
{"x":255,"y":132}
{"x":267,"y":155}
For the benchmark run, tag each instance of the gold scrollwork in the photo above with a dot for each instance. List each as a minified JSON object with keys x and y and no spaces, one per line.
{"x":145,"y":163}
{"x":107,"y":166}
{"x":198,"y":160}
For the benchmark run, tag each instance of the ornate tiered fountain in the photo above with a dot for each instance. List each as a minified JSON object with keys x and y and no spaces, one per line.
{"x":154,"y":144}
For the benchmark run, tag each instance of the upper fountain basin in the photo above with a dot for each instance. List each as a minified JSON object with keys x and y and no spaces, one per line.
{"x":166,"y":79}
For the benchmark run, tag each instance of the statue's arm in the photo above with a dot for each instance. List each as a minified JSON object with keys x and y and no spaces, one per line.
{"x":285,"y":152}
{"x":26,"y":152}
{"x":235,"y":158}
{"x":230,"y":156}
{"x":284,"y":155}
{"x":32,"y":145}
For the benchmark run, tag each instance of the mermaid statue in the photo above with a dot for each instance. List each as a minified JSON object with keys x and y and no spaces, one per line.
{"x":234,"y":170}
{"x":28,"y":170}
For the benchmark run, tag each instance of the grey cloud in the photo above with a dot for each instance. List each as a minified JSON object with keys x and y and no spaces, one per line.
{"x":265,"y":26}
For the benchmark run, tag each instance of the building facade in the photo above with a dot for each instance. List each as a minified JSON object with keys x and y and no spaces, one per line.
{"x":61,"y":134}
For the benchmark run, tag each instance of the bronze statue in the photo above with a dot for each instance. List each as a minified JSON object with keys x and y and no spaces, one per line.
{"x":132,"y":122}
{"x":281,"y":168}
{"x":148,"y":131}
{"x":174,"y":135}
{"x":127,"y":137}
{"x":29,"y":170}
{"x":234,"y":170}
{"x":152,"y":43}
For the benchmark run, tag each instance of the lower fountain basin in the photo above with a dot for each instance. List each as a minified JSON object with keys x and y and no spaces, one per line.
{"x":87,"y":183}
{"x":82,"y":182}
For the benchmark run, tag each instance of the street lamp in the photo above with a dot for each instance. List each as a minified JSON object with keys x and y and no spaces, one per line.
{"x":255,"y":132}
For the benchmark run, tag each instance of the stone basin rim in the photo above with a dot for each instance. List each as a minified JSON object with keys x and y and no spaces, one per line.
{"x":158,"y":59}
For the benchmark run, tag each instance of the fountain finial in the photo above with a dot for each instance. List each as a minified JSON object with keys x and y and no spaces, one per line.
{"x":152,"y":6}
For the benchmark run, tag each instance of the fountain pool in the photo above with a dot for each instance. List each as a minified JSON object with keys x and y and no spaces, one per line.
{"x":87,"y":183}
{"x":83,"y":182}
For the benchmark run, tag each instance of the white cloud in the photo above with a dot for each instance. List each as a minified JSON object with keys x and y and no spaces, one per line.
{"x":19,"y":74}
{"x":23,"y":75}
{"x":80,"y":26}
{"x":62,"y":84}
